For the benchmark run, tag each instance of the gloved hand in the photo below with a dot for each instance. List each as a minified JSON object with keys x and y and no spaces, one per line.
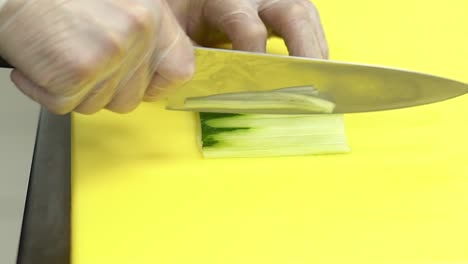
{"x":86,"y":55}
{"x":246,"y":23}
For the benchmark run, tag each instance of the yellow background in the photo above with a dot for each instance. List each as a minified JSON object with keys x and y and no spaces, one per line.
{"x":143,"y":194}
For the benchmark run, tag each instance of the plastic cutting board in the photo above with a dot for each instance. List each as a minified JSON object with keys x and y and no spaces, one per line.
{"x":143,"y":194}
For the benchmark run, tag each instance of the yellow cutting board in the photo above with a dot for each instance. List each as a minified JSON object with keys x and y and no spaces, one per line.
{"x":143,"y":194}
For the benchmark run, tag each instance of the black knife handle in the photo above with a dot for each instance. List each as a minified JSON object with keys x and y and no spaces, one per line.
{"x":5,"y":64}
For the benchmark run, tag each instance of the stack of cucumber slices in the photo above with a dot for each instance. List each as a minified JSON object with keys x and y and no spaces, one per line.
{"x":232,"y":125}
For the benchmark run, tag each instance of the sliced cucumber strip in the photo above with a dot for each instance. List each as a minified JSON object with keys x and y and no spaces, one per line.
{"x":292,"y":100}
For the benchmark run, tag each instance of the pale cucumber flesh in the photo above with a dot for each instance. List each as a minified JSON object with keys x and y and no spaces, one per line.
{"x":257,"y":135}
{"x":290,"y":100}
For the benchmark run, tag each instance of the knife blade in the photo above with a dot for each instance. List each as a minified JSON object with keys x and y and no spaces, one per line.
{"x":352,"y":87}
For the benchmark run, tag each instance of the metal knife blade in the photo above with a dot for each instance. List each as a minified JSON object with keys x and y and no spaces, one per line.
{"x":352,"y":87}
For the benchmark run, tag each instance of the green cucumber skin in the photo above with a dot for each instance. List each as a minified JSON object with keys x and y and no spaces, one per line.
{"x":216,"y":126}
{"x":204,"y":116}
{"x":208,"y":131}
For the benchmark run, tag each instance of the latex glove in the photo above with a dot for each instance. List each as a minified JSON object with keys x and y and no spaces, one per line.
{"x":246,"y":23}
{"x":86,"y":55}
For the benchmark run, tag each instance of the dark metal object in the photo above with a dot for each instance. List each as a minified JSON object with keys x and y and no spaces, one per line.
{"x":46,"y":231}
{"x":4,"y":64}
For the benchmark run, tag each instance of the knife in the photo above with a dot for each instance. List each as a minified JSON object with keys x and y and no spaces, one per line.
{"x":352,"y":87}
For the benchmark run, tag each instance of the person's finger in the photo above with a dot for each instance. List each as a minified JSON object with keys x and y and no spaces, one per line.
{"x":159,"y":85}
{"x":54,"y":103}
{"x":299,"y":24}
{"x":315,"y":16}
{"x":129,"y":94}
{"x":99,"y":97}
{"x":174,"y":63}
{"x":240,"y":21}
{"x":174,"y":69}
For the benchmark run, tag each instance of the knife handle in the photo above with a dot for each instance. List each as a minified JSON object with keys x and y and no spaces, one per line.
{"x":5,"y":64}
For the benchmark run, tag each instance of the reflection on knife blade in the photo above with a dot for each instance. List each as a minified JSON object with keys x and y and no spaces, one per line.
{"x":290,"y":100}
